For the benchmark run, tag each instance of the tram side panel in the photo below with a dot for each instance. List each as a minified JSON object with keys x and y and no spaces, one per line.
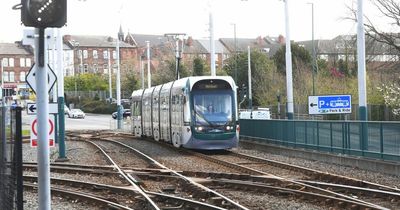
{"x":156,"y":112}
{"x":164,"y":112}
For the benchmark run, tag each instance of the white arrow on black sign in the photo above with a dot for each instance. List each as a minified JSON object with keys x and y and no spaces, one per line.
{"x":30,"y":78}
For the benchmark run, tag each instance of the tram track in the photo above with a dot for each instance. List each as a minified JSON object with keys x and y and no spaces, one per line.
{"x":302,"y":189}
{"x":250,"y":177}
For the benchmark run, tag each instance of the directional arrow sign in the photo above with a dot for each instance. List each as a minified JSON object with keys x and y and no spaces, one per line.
{"x":32,"y":108}
{"x":51,"y":78}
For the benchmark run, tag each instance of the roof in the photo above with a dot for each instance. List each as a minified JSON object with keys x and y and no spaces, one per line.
{"x":219,"y":47}
{"x":155,"y":40}
{"x":13,"y":49}
{"x":96,"y":41}
{"x":242,"y":43}
{"x":195,"y":48}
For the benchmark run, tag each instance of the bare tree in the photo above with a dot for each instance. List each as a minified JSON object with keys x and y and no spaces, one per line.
{"x":390,"y":9}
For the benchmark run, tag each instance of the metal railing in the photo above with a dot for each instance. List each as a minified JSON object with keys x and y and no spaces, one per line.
{"x":11,"y":188}
{"x":369,"y":139}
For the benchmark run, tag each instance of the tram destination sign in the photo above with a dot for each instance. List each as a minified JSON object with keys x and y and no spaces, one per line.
{"x":329,"y":104}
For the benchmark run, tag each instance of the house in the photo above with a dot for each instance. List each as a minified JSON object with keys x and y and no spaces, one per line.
{"x":92,"y":53}
{"x":17,"y":60}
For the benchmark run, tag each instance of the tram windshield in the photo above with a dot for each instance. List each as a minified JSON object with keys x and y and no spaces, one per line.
{"x":213,"y":108}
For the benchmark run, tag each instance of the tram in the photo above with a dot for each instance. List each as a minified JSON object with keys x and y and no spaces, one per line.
{"x":192,"y":112}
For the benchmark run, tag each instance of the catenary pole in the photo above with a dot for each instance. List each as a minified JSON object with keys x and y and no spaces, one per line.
{"x":249,"y":77}
{"x":212,"y":46}
{"x":109,"y":75}
{"x":119,"y":111}
{"x":288,"y":55}
{"x":148,"y":65}
{"x":362,"y":89}
{"x":61,"y":100}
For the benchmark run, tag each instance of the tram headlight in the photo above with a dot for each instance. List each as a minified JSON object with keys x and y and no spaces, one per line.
{"x":199,"y":129}
{"x":229,"y":128}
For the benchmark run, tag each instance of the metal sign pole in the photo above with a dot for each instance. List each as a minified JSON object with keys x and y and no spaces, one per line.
{"x":43,"y":122}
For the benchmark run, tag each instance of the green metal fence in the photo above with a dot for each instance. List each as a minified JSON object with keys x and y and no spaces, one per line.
{"x":369,"y":139}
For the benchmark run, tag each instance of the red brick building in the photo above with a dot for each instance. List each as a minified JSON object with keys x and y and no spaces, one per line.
{"x":91,"y":53}
{"x":16,"y":59}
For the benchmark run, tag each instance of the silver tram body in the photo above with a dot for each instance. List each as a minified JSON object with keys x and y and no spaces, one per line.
{"x":193,"y":112}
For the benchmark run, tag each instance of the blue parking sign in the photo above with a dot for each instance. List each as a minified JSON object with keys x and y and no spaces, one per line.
{"x":329,"y":104}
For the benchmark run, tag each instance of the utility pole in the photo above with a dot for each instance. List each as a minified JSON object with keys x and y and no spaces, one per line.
{"x":142,"y":70}
{"x":289,"y":79}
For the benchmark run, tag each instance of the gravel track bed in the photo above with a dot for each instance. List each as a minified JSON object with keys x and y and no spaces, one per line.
{"x":380,"y":178}
{"x":174,"y":159}
{"x":263,"y":167}
{"x":76,"y":151}
{"x":124,"y":157}
{"x":262,"y":201}
{"x":59,"y":203}
{"x":84,"y":178}
{"x":125,"y":200}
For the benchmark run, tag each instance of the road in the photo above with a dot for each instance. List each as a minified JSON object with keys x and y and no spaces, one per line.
{"x":91,"y":122}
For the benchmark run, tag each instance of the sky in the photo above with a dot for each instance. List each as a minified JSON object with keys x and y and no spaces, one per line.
{"x":252,"y":18}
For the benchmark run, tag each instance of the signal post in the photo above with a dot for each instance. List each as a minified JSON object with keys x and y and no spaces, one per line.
{"x":42,"y":14}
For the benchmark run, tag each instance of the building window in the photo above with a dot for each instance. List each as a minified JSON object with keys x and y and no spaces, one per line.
{"x":28,"y":62}
{"x":11,"y":62}
{"x":114,"y":54}
{"x":79,"y":54}
{"x":85,"y":68}
{"x":105,"y":55}
{"x":22,"y":76}
{"x":95,"y":54}
{"x":95,"y":68}
{"x":85,"y":54}
{"x":12,"y":79}
{"x":22,"y":62}
{"x":5,"y":76}
{"x":5,"y":62}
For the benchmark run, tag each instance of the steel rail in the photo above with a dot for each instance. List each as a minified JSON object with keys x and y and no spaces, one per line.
{"x":181,"y":176}
{"x":80,"y":195}
{"x":136,"y":187}
{"x":319,"y":174}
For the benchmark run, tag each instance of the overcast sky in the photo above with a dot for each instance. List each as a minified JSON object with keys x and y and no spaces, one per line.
{"x":252,"y":18}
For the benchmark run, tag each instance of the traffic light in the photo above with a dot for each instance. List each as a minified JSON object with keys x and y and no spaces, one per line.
{"x":44,"y":13}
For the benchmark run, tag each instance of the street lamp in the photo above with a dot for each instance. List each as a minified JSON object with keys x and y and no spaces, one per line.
{"x":314,"y":64}
{"x":177,"y":37}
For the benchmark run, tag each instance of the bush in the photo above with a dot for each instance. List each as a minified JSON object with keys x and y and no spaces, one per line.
{"x":99,"y":107}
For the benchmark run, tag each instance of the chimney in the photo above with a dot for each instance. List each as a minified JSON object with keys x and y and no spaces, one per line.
{"x":189,"y":41}
{"x":67,"y":38}
{"x":259,"y":41}
{"x":281,"y":39}
{"x":109,"y":39}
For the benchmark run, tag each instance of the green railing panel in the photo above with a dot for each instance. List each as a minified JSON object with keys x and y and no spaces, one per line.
{"x":391,"y":139}
{"x":370,"y":139}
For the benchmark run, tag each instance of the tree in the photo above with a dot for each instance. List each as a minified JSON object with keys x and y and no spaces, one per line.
{"x":266,"y":81}
{"x":299,"y":54}
{"x":86,"y":82}
{"x":391,"y":95}
{"x":199,"y":67}
{"x":390,"y":10}
{"x":167,"y":72}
